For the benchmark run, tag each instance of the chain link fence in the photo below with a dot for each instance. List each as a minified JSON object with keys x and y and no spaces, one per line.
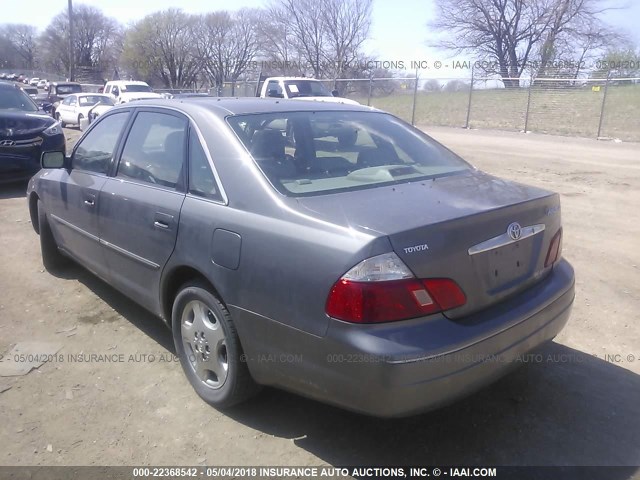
{"x":604,"y":107}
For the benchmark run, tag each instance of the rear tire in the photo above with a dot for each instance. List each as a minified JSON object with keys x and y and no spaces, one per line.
{"x":52,"y":258}
{"x":58,"y":118}
{"x":209,"y":349}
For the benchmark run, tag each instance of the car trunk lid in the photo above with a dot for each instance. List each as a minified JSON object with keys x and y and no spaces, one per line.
{"x":457,"y":227}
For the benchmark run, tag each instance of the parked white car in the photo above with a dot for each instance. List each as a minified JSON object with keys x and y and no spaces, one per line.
{"x":34,"y":82}
{"x":123,"y":91}
{"x":74,"y":108}
{"x":43,"y":83}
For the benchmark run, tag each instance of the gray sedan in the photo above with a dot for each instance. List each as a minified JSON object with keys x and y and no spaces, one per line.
{"x":383,"y":274}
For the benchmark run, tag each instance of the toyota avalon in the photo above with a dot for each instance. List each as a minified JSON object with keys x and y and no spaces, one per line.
{"x":385,"y":275}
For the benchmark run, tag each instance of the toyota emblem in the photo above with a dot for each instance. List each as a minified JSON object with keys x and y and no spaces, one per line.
{"x":514,"y":231}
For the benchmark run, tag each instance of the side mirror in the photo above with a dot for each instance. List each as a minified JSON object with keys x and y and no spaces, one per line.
{"x":52,"y":160}
{"x":335,"y":93}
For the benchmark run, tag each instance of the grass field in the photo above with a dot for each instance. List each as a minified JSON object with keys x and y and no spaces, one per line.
{"x":556,"y":111}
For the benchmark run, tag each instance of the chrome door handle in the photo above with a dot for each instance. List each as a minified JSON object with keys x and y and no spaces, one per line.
{"x":91,"y":203}
{"x":160,"y":224}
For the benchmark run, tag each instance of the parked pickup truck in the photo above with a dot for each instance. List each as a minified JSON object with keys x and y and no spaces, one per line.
{"x":300,"y":88}
{"x":123,"y":91}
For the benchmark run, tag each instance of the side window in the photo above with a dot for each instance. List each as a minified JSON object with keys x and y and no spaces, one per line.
{"x":66,"y":101}
{"x":115,"y":91}
{"x":273,"y":87}
{"x":202,"y":183}
{"x":154,"y":151}
{"x":72,"y":101}
{"x":95,"y":151}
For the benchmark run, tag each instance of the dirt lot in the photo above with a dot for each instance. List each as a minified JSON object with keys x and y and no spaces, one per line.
{"x":571,"y":406}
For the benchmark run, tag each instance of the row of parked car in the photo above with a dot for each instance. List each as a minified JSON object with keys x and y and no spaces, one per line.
{"x":42,"y":83}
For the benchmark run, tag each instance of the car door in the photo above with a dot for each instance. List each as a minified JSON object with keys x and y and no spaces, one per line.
{"x":140,"y":205}
{"x":72,"y":201}
{"x":63,"y":107}
{"x":70,"y":111}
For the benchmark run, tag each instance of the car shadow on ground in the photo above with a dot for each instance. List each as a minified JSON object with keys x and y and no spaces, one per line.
{"x":564,"y":408}
{"x":13,"y":190}
{"x":140,"y":318}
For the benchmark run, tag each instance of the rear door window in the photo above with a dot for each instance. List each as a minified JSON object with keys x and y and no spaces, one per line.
{"x":202,"y":182}
{"x":155,"y":149}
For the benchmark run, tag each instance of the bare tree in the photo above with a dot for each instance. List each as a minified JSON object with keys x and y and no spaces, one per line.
{"x":22,"y":39}
{"x":97,"y":41}
{"x":227,"y":43}
{"x":514,"y":35}
{"x":327,"y":34}
{"x":308,"y":30}
{"x":347,"y":26}
{"x":504,"y":32}
{"x":277,"y":43}
{"x":161,"y":47}
{"x":573,"y":31}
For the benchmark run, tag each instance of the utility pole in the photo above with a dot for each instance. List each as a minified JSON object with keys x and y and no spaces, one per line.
{"x":71,"y":40}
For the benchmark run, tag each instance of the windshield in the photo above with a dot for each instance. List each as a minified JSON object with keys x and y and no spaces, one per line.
{"x":306,"y":88}
{"x":310,"y":153}
{"x":67,"y":89}
{"x":15,"y":99}
{"x":89,"y":100}
{"x":136,"y":88}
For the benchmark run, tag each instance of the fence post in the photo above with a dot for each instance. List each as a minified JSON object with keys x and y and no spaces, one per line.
{"x":415,"y":95}
{"x":526,"y":115}
{"x":370,"y":90}
{"x":604,"y":101}
{"x":466,"y":125}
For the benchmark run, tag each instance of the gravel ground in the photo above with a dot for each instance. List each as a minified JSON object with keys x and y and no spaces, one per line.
{"x":576,"y":404}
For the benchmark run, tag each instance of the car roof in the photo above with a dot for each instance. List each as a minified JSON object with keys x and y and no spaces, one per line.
{"x":226,"y":106}
{"x":127,"y":82}
{"x":10,"y":84}
{"x":293,"y":78}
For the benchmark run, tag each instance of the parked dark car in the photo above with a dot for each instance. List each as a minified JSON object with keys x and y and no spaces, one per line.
{"x":25,"y":132}
{"x":42,"y":100}
{"x":58,"y":91}
{"x":386,"y":277}
{"x":31,"y":91}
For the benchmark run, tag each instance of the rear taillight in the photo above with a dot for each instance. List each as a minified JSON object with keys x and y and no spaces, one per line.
{"x":383,"y":289}
{"x":555,"y":249}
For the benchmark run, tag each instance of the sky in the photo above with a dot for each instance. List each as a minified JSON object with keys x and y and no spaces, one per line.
{"x":399,"y":30}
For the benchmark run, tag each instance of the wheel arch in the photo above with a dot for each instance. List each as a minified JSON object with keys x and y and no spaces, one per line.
{"x":33,"y":211}
{"x":174,"y":279}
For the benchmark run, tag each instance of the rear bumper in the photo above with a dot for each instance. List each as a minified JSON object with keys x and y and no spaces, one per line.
{"x":403,"y":368}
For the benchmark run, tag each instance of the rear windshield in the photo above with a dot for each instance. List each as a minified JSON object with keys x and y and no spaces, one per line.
{"x":136,"y":88}
{"x":16,"y":99}
{"x":93,"y":99}
{"x":67,"y":89}
{"x":306,"y":88}
{"x":311,"y":153}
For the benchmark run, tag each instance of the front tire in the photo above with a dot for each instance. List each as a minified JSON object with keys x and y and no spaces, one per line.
{"x":209,"y":348}
{"x":52,"y":258}
{"x":80,"y":117}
